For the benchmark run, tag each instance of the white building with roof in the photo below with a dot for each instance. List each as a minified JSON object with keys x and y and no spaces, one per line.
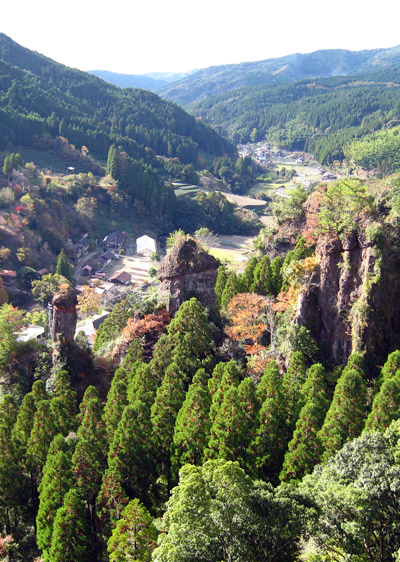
{"x":145,"y":245}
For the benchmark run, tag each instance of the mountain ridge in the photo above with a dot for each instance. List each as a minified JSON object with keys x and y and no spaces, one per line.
{"x":290,"y":68}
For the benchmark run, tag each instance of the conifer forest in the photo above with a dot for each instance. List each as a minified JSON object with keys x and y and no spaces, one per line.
{"x":199,"y":314}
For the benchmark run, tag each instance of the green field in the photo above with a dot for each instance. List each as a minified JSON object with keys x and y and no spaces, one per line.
{"x":53,"y":162}
{"x":190,"y":190}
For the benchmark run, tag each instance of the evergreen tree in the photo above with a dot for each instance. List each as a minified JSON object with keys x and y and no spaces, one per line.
{"x":276,"y":275}
{"x":215,"y":380}
{"x":90,"y":457}
{"x":42,"y":434}
{"x":134,"y":354}
{"x":189,"y":342}
{"x":116,"y":402}
{"x":346,"y":416}
{"x":230,"y":433}
{"x":63,"y":266}
{"x":39,"y":392}
{"x":24,"y":424}
{"x":270,"y":383}
{"x":388,"y":370}
{"x":232,"y":288}
{"x":130,"y":467}
{"x":12,"y":481}
{"x":71,"y":537}
{"x":248,"y":275}
{"x":90,"y":460}
{"x":192,"y":425}
{"x":162,"y":357}
{"x":191,"y":336}
{"x":386,"y":405}
{"x":8,"y":411}
{"x":169,"y":399}
{"x":262,"y":278}
{"x":142,"y":385}
{"x":121,"y":375}
{"x":315,"y":382}
{"x":268,"y":445}
{"x":111,"y":500}
{"x":63,"y":404}
{"x":112,"y":162}
{"x":90,"y":393}
{"x":292,"y":383}
{"x":134,"y":537}
{"x":305,"y":449}
{"x":250,"y":406}
{"x":56,"y":481}
{"x":230,"y":378}
{"x":130,"y":452}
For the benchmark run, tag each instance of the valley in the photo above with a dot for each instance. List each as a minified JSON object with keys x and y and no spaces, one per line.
{"x":199,"y":311}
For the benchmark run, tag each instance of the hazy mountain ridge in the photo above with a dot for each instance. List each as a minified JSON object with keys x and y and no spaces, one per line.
{"x":152,"y":81}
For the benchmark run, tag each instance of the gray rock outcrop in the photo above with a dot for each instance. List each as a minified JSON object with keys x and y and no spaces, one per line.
{"x":187,"y":271}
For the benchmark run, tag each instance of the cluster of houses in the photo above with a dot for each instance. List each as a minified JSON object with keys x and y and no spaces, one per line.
{"x":264,"y":153}
{"x":94,"y":270}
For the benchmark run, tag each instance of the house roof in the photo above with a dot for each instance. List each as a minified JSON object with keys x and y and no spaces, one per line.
{"x":117,"y":237}
{"x":108,"y":255}
{"x":8,"y":273}
{"x":145,"y":243}
{"x":30,"y":332}
{"x":43,"y":271}
{"x":123,"y":277}
{"x":98,"y":321}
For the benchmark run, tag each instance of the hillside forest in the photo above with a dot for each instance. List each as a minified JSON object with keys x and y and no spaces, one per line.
{"x":235,"y":410}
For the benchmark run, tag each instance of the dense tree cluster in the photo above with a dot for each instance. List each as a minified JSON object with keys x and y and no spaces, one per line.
{"x":89,"y":482}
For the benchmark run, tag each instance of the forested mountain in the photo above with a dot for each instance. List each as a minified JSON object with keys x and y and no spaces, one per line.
{"x":318,"y":115}
{"x":39,"y":96}
{"x":234,"y":411}
{"x":153,"y":81}
{"x":333,"y":62}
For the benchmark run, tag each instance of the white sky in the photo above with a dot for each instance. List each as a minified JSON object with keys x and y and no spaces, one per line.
{"x":139,"y":36}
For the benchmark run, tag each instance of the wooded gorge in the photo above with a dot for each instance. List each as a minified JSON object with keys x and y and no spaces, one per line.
{"x":239,"y":409}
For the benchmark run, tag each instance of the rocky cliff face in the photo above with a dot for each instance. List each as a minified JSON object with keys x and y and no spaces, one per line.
{"x":352,"y":300}
{"x":64,"y":314}
{"x":188,"y":271}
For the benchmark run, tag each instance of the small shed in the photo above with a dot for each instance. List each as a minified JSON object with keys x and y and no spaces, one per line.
{"x":86,"y":270}
{"x":145,"y":246}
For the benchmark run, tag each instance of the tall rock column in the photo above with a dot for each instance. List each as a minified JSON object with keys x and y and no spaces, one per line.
{"x":188,"y":271}
{"x":64,"y":314}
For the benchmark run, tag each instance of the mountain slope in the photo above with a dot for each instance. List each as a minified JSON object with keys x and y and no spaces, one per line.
{"x":306,"y":114}
{"x":220,"y":79}
{"x":39,"y":96}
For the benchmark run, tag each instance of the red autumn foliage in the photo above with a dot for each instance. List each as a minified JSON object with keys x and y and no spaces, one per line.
{"x":148,"y":330}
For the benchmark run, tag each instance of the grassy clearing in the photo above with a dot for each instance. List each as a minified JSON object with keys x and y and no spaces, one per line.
{"x":232,"y":249}
{"x":54,"y":162}
{"x":186,"y":191}
{"x":262,"y":188}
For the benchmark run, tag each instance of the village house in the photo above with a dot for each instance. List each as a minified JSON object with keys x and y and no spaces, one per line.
{"x":145,"y":246}
{"x":31,"y":332}
{"x":123,"y":278}
{"x":114,"y":240}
